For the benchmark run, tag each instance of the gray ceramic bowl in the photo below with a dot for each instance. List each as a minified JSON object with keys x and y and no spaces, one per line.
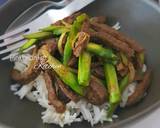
{"x":137,"y":19}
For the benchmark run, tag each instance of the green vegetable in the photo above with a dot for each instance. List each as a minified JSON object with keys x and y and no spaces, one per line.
{"x":68,"y":77}
{"x":141,"y":57}
{"x":84,"y":66}
{"x":123,"y":83}
{"x":124,"y":59}
{"x":60,"y":41}
{"x":27,"y":45}
{"x":112,"y":83}
{"x":101,"y":51}
{"x":112,"y":107}
{"x":73,"y":32}
{"x":38,"y":35}
{"x":57,"y":30}
{"x":53,"y":28}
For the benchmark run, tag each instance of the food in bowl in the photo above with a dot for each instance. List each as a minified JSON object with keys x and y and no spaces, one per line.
{"x":80,"y":69}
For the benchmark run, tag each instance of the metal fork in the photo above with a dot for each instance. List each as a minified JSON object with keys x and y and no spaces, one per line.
{"x":42,"y":7}
{"x":50,"y":16}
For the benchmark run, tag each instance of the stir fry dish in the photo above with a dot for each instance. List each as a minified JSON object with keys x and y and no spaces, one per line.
{"x":81,"y":69}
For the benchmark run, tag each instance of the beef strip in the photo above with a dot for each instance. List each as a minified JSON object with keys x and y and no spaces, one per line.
{"x":139,"y":75}
{"x":120,"y":66}
{"x":72,"y":62}
{"x":98,"y":72}
{"x":83,"y":38}
{"x":80,"y":44}
{"x":52,"y":97}
{"x":96,"y":64}
{"x":123,"y":72}
{"x":105,"y":28}
{"x":112,"y":41}
{"x":29,"y":74}
{"x":96,"y":93}
{"x":122,"y":69}
{"x":140,"y":89}
{"x":50,"y":45}
{"x":85,"y":26}
{"x":99,"y":19}
{"x":33,"y":69}
{"x":65,"y":90}
{"x":70,"y":19}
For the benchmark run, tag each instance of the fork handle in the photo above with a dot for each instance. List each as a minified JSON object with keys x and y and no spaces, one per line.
{"x":71,"y":8}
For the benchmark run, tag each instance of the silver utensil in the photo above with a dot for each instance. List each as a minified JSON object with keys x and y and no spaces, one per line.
{"x":16,"y":36}
{"x":39,"y":7}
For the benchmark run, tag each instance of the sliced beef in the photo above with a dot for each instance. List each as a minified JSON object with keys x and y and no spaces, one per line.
{"x":52,"y":97}
{"x":96,"y":93}
{"x":140,"y":89}
{"x":98,"y":72}
{"x":99,"y":19}
{"x":80,"y":44}
{"x":85,"y":26}
{"x":72,"y":62}
{"x":29,"y":74}
{"x":65,"y":93}
{"x":123,"y":72}
{"x":139,"y":75}
{"x":33,"y":69}
{"x":50,"y":45}
{"x":121,"y":69}
{"x":83,"y":38}
{"x":108,"y":39}
{"x":96,"y":64}
{"x":105,"y":28}
{"x":70,"y":19}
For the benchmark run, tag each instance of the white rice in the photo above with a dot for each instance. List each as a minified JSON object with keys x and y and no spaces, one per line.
{"x":144,"y":68}
{"x":128,"y":92}
{"x":91,"y":113}
{"x":22,"y":62}
{"x":117,"y":26}
{"x":75,"y":112}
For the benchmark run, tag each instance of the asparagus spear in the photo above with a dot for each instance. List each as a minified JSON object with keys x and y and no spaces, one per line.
{"x":100,"y":51}
{"x":112,"y":83}
{"x":123,"y":83}
{"x":38,"y":35}
{"x":60,"y":41}
{"x":57,"y":30}
{"x":84,"y":65}
{"x":107,"y":54}
{"x":27,"y":45}
{"x":68,"y":77}
{"x":112,"y":107}
{"x":140,"y":59}
{"x":73,"y":32}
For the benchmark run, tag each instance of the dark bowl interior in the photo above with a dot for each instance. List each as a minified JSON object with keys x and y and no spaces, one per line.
{"x":138,"y":20}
